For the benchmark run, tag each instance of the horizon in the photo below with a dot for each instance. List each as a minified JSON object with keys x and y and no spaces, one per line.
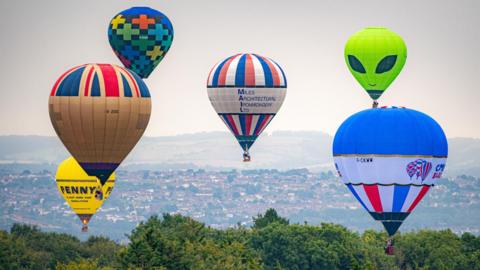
{"x":266,"y":133}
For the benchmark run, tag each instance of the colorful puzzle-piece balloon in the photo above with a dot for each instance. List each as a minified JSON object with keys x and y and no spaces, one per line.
{"x":140,"y":37}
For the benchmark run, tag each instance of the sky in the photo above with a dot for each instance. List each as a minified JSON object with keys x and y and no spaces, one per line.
{"x":42,"y":39}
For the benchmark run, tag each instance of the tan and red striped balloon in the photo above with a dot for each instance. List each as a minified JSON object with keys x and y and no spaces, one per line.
{"x":99,"y":112}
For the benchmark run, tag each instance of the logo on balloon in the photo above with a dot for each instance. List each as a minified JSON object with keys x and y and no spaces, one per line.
{"x":438,"y":171}
{"x":99,"y":194}
{"x":419,"y":168}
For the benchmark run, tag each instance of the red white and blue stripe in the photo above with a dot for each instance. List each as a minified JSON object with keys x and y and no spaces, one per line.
{"x":246,"y":124}
{"x":246,"y":127}
{"x":247,"y":70}
{"x":390,"y":204}
{"x":100,"y":80}
{"x":246,"y":90}
{"x":389,"y":158}
{"x":388,"y":198}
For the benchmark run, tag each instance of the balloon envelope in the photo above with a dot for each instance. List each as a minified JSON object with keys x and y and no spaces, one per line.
{"x":99,"y":112}
{"x":389,"y":158}
{"x":375,"y":57}
{"x":246,"y":90}
{"x":140,"y":37}
{"x":82,"y":192}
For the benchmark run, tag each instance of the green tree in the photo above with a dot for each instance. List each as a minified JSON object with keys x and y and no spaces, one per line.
{"x":307,"y":247}
{"x":82,"y":264}
{"x":373,"y":244}
{"x":269,"y":217}
{"x":429,"y":250}
{"x":177,"y":242}
{"x":26,"y":247}
{"x":210,"y":255}
{"x":102,"y":249}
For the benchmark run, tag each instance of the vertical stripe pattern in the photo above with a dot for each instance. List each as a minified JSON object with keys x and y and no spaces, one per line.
{"x":94,"y":77}
{"x":374,"y":197}
{"x":388,"y":198}
{"x":246,"y":90}
{"x":246,"y":124}
{"x":390,"y":204}
{"x":247,"y":70}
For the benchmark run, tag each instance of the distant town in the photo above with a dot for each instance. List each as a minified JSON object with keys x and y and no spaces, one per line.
{"x":223,"y":199}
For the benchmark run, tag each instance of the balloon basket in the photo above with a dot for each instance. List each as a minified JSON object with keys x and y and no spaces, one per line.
{"x":389,"y":250}
{"x":246,"y":155}
{"x":84,"y":228}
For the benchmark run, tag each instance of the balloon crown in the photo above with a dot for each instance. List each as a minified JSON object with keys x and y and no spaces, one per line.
{"x":392,"y":107}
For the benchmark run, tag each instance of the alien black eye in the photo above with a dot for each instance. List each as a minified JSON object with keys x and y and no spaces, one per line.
{"x":356,"y":64}
{"x":386,"y":64}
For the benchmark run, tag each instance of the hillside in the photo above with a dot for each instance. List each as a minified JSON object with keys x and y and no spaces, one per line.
{"x":218,"y":150}
{"x":223,"y":199}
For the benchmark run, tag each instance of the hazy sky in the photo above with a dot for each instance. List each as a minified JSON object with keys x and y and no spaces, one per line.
{"x":41,"y":39}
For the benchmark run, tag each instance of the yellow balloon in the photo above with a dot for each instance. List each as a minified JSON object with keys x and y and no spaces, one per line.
{"x":84,"y":193}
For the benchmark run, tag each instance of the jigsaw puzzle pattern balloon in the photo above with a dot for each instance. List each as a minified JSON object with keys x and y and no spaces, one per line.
{"x":140,"y":37}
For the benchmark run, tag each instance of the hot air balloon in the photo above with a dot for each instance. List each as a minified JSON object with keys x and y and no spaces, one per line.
{"x":375,"y":57}
{"x":389,"y":158}
{"x":82,"y":192}
{"x":246,"y":90}
{"x":99,"y":112}
{"x":140,"y":37}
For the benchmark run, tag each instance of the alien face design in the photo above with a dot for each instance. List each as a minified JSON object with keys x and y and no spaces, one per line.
{"x":375,"y":56}
{"x":385,"y":65}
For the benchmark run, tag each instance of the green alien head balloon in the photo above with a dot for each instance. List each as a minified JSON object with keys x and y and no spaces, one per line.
{"x":375,"y":56}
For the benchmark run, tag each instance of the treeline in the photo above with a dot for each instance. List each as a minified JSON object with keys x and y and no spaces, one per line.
{"x":178,"y":242}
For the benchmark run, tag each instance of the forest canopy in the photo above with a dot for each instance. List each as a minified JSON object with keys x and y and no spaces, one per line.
{"x":179,"y":242}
